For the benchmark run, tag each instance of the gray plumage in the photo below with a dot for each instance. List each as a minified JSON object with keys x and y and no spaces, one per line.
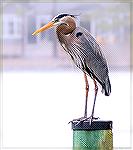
{"x":86,"y":54}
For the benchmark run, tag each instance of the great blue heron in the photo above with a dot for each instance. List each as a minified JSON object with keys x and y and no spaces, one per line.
{"x":85,"y":53}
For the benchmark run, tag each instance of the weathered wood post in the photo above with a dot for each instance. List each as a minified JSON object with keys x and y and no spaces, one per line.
{"x":97,"y":136}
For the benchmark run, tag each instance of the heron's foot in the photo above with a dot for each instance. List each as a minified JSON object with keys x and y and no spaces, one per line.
{"x":82,"y":119}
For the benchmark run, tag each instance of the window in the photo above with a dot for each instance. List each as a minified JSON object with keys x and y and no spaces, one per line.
{"x":41,"y":20}
{"x":31,"y":28}
{"x":11,"y":27}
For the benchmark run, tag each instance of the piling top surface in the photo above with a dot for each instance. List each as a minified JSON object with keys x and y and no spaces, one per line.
{"x":95,"y":125}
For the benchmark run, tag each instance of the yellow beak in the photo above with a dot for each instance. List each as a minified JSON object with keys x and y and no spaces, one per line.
{"x":45,"y":27}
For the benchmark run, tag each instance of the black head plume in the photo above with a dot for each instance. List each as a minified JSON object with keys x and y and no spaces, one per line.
{"x":60,"y":16}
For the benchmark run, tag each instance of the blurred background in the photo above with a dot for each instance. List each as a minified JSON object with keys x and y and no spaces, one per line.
{"x":109,"y":23}
{"x":42,"y":90}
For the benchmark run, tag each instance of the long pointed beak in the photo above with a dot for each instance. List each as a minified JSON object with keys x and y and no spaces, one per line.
{"x":45,"y":27}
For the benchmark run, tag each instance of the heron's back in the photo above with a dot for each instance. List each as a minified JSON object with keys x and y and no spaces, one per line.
{"x":86,"y":54}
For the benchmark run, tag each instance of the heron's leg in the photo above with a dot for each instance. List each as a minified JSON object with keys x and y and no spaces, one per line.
{"x":86,"y":97}
{"x":86,"y":100}
{"x":96,"y":90}
{"x":91,"y":118}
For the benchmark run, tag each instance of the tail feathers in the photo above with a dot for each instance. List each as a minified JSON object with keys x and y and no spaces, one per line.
{"x":107,"y":87}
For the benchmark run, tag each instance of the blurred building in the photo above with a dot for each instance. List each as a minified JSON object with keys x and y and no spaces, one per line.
{"x":109,"y":23}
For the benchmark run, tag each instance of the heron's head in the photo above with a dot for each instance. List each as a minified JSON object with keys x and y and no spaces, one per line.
{"x":57,"y":20}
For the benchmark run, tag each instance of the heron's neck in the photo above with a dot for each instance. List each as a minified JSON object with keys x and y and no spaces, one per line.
{"x":65,"y":29}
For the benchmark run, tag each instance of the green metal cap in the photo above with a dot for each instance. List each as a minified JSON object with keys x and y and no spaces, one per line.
{"x":95,"y":125}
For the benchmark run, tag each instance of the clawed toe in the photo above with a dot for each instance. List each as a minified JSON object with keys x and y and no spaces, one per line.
{"x":82,"y":119}
{"x":78,"y":120}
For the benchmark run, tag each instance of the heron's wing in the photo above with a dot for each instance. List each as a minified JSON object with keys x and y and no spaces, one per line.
{"x":87,"y":55}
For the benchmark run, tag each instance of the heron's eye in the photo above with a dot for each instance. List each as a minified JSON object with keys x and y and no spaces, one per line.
{"x":56,"y":20}
{"x":72,"y":16}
